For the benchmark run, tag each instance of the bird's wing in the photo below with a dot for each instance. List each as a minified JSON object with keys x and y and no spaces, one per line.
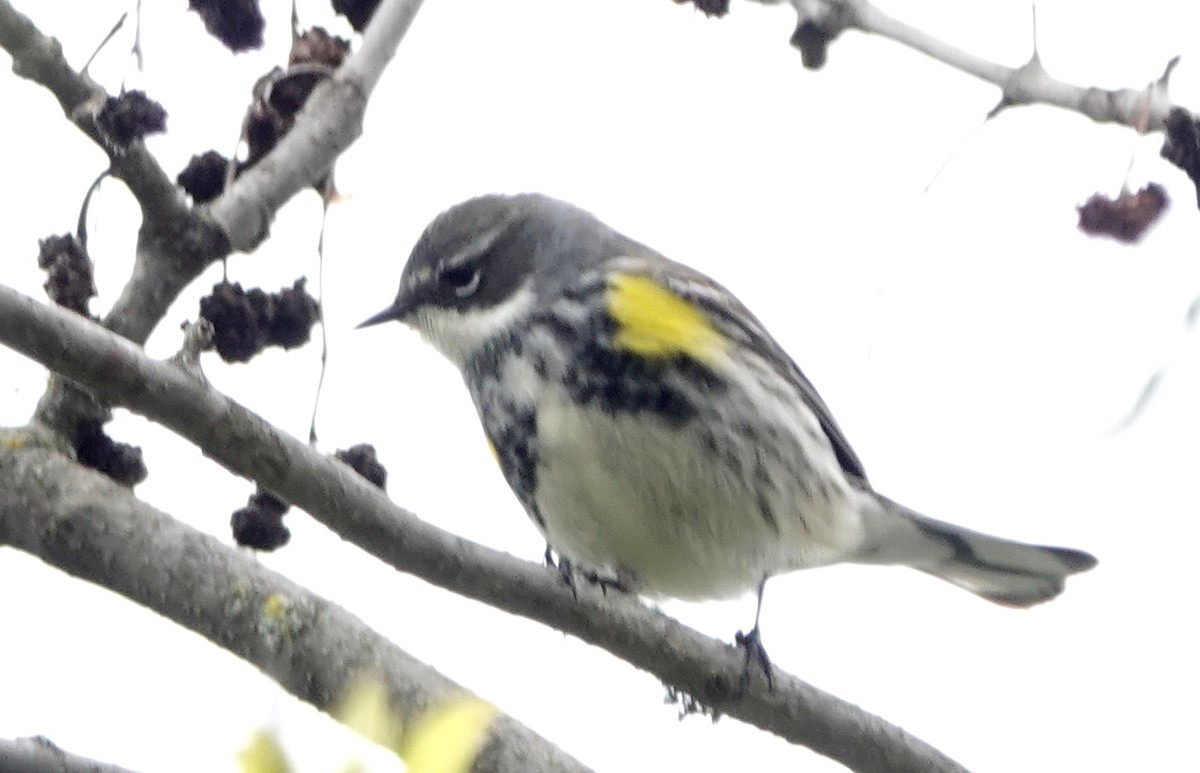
{"x":737,"y":322}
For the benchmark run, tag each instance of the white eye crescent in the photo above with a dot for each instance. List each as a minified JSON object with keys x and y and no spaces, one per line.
{"x":464,"y":280}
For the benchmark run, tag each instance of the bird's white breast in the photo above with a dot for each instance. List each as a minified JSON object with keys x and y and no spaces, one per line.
{"x":678,"y":510}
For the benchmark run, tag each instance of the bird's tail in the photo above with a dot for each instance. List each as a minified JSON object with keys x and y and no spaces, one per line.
{"x":1014,"y":574}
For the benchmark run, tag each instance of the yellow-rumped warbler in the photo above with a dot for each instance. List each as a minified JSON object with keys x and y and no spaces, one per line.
{"x":652,"y":428}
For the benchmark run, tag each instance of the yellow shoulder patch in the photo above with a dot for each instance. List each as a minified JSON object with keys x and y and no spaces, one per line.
{"x":654,"y":322}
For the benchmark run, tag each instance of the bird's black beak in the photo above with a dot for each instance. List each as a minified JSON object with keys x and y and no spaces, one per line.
{"x":394,"y":312}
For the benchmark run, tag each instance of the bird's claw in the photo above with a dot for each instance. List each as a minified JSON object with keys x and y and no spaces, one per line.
{"x":753,"y":651}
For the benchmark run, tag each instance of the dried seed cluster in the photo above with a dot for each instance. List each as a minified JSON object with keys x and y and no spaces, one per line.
{"x":239,"y":24}
{"x":247,"y":321}
{"x":131,"y":116}
{"x":69,"y":272}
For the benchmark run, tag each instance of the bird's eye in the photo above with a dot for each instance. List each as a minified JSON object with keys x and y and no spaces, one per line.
{"x":464,"y":279}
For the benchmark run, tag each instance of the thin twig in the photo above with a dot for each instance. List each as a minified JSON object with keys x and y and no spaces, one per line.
{"x":137,"y":38}
{"x":116,"y":28}
{"x":327,"y":195}
{"x":81,"y":226}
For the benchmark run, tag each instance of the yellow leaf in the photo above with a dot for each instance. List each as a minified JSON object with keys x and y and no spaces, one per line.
{"x":365,"y":709}
{"x":263,"y":754}
{"x":447,"y":738}
{"x":354,"y":766}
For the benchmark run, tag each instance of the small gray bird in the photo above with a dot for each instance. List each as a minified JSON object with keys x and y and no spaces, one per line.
{"x":652,"y":428}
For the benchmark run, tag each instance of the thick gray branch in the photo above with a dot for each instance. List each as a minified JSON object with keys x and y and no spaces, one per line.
{"x":40,"y":755}
{"x":84,"y":524}
{"x":244,"y":443}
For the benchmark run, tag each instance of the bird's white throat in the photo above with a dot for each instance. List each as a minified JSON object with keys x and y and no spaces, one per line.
{"x":458,"y":333}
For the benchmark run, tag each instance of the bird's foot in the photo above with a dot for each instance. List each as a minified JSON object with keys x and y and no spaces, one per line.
{"x":571,"y":575}
{"x":755,"y":657}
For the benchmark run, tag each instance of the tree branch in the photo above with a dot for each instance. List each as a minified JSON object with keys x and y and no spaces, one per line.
{"x":1144,"y":109}
{"x":39,"y":58}
{"x":244,"y":443}
{"x":330,"y":122}
{"x":92,"y":528}
{"x":41,"y":755}
{"x":176,"y":242}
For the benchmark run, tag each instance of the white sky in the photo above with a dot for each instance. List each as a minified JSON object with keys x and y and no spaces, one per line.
{"x":975,"y":347}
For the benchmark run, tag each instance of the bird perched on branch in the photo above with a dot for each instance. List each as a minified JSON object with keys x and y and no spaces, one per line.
{"x":655,"y":432}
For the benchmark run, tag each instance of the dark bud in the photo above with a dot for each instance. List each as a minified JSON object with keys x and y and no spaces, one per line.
{"x":316,"y":53}
{"x":358,"y":12}
{"x":69,"y":280}
{"x":361,"y":459}
{"x":316,"y":46}
{"x":239,"y":24}
{"x":1125,"y":218}
{"x":264,"y":500}
{"x":813,"y":41}
{"x":238,"y":332}
{"x":293,"y":314}
{"x":131,"y":116}
{"x":709,"y":7}
{"x":288,"y":95}
{"x":247,"y":321}
{"x":278,"y":98}
{"x":1182,"y":144}
{"x":119,"y":461}
{"x":259,"y":525}
{"x":265,"y":124}
{"x":204,"y":177}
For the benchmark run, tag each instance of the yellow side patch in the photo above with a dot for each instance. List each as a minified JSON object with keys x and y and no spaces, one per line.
{"x":654,"y":322}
